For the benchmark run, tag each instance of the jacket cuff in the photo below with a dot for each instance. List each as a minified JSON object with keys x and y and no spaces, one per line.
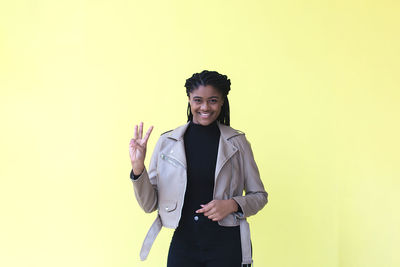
{"x":239,"y":207}
{"x":133,"y":176}
{"x":239,"y":213}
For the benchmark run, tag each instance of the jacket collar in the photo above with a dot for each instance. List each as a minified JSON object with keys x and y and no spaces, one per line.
{"x":225,"y":149}
{"x":226,"y":131}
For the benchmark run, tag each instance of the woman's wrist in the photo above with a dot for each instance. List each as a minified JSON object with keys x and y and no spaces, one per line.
{"x":235,"y":205}
{"x":137,"y":169}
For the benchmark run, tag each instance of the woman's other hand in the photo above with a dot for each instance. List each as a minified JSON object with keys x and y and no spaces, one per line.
{"x":137,"y":148}
{"x":216,"y":210}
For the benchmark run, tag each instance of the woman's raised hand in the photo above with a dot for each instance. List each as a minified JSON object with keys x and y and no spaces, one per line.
{"x":137,"y":148}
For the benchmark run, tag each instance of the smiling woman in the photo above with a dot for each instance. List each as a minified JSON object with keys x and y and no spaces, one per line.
{"x":205,"y":104}
{"x":196,"y":179}
{"x":208,"y":91}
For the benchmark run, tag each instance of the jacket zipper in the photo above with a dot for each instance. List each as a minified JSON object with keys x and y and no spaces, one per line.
{"x":172,"y":160}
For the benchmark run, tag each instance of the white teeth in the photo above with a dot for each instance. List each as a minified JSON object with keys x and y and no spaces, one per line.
{"x":204,"y":114}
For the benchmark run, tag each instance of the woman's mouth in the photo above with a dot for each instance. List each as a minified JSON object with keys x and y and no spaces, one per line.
{"x":205,"y":115}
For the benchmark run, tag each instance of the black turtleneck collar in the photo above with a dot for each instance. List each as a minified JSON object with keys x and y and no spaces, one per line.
{"x":204,"y":128}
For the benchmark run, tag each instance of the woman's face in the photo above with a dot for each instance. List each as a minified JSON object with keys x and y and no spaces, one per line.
{"x":205,"y":104}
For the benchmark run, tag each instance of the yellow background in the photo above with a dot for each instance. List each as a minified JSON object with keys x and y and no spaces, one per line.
{"x":315,"y":87}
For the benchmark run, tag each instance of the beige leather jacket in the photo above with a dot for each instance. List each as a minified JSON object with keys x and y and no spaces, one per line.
{"x":162,"y":187}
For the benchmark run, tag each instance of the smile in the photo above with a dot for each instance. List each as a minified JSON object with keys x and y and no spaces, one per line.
{"x":204,"y":115}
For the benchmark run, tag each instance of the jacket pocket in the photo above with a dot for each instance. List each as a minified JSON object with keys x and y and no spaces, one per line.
{"x":167,"y":206}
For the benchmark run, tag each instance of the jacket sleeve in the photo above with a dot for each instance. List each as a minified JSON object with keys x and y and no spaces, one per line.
{"x":145,"y":186}
{"x":255,"y":197}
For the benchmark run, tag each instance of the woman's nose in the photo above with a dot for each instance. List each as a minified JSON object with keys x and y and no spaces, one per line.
{"x":204,"y":106}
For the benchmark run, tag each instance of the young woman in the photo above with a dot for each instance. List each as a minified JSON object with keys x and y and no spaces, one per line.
{"x":196,"y":179}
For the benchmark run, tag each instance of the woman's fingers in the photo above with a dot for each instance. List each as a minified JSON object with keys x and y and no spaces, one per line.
{"x":134,"y":143}
{"x":138,"y":143}
{"x":210,"y":212}
{"x":140,"y":130}
{"x":216,"y":210}
{"x":214,"y":217}
{"x":138,"y":134}
{"x":135,"y":134}
{"x":205,"y":208}
{"x":146,"y":137}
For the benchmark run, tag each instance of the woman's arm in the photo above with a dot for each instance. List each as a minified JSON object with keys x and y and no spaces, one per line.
{"x":256,"y":197}
{"x":243,"y":206}
{"x":145,"y":184}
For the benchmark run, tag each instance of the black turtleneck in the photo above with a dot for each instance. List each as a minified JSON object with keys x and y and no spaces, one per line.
{"x":201,"y":148}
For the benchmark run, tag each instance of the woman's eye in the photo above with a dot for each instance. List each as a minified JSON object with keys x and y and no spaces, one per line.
{"x":213,"y":101}
{"x":197,"y":100}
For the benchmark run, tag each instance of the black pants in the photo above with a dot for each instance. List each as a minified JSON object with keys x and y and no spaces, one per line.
{"x":205,"y":245}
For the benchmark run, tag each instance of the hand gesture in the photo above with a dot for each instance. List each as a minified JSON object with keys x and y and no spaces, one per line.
{"x":216,"y":210}
{"x":137,"y":148}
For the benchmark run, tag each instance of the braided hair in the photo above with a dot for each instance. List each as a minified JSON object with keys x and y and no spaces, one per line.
{"x":219,"y":82}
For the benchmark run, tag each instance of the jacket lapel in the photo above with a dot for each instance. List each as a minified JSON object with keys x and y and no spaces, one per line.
{"x":225,"y":149}
{"x":178,"y":148}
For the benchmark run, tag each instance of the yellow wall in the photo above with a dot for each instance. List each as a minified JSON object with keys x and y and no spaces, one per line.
{"x":315,"y":86}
